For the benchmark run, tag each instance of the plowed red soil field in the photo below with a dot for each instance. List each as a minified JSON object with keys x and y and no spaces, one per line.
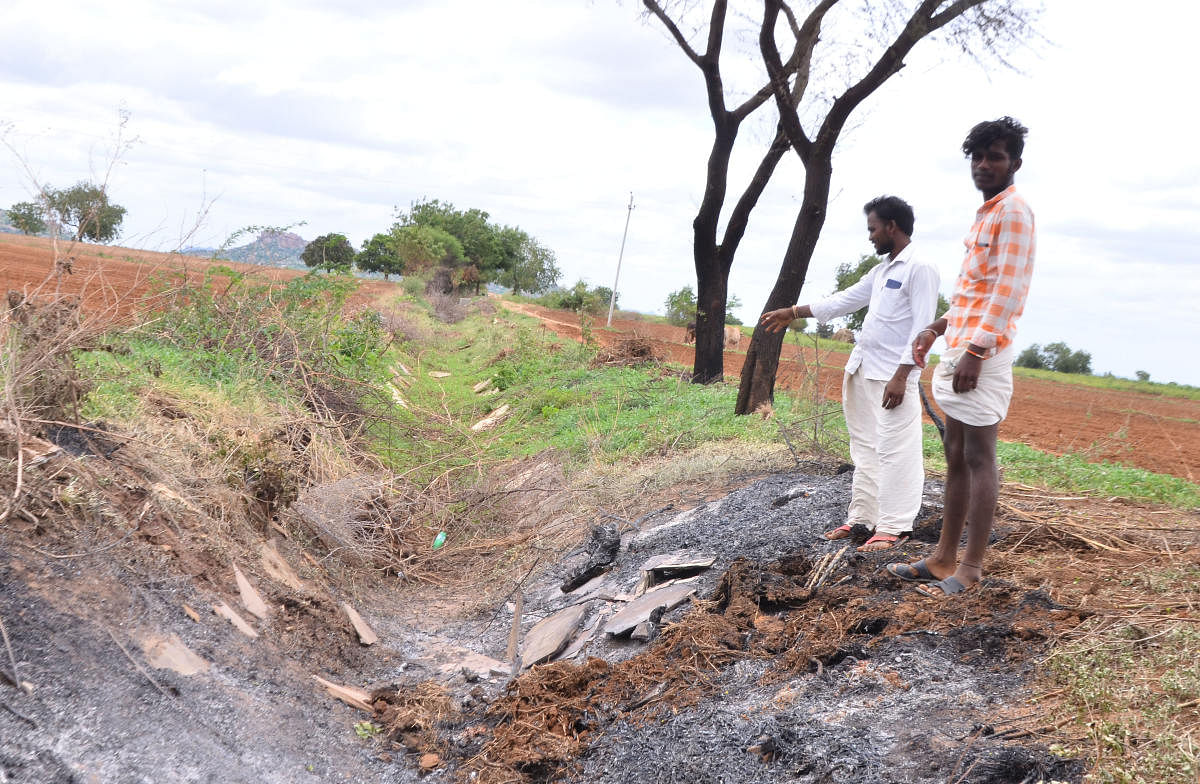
{"x":113,"y":280}
{"x":1158,"y":433}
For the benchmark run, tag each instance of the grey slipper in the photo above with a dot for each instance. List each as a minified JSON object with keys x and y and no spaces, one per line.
{"x":948,"y":587}
{"x":914,"y":572}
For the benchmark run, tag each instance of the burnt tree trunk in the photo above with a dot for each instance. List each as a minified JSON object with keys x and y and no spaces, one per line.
{"x":713,"y":261}
{"x":757,"y":384}
{"x":712,"y":274}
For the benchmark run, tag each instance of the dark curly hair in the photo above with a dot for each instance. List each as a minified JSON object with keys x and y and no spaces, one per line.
{"x":1006,"y":128}
{"x":892,"y":208}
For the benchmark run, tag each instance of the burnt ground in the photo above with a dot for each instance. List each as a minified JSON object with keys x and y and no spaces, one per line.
{"x":756,"y":679}
{"x":100,"y":711}
{"x":760,"y":679}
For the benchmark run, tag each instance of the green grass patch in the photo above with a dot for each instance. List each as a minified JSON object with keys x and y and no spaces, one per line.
{"x":559,"y":402}
{"x":120,"y":379}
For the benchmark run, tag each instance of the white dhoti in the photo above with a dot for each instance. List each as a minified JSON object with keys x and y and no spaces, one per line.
{"x":987,"y":403}
{"x":885,"y":445}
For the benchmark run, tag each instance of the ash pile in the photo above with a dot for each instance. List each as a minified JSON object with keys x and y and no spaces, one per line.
{"x":733,"y":643}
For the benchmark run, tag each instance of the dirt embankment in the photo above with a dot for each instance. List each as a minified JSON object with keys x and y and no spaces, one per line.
{"x":1157,"y":433}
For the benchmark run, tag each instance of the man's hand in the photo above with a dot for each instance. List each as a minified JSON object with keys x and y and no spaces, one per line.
{"x":966,"y":374}
{"x":893,"y":393}
{"x":921,"y":345}
{"x":777,"y":320}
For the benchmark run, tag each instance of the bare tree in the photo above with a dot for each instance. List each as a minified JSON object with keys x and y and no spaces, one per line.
{"x":714,"y":255}
{"x":977,"y":27}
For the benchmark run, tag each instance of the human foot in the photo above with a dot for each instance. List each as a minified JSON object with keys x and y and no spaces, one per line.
{"x":841,"y":532}
{"x":879,"y":542}
{"x":943,"y":589}
{"x":919,"y":571}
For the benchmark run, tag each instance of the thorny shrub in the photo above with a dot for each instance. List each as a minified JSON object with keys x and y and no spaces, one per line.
{"x":293,"y":333}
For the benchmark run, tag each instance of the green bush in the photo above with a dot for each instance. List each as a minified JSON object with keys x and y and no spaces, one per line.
{"x":580,"y":298}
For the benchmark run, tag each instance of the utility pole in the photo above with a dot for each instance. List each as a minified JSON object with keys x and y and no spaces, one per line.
{"x":613,"y":299}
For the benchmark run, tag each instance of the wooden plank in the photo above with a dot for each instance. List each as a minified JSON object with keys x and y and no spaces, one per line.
{"x":551,"y":635}
{"x":492,"y":419}
{"x":171,"y":654}
{"x":278,"y":569}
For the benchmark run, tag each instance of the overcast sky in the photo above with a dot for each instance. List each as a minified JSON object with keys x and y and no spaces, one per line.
{"x":549,"y":113}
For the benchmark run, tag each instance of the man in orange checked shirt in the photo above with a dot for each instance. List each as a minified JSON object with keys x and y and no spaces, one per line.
{"x":973,"y":382}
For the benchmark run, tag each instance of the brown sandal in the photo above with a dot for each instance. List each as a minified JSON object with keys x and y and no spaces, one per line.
{"x":841,"y":532}
{"x":892,"y":540}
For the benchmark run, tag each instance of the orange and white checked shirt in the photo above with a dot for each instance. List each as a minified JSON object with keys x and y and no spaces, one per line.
{"x":990,"y":292}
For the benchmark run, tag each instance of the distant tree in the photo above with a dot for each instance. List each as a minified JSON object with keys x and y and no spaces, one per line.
{"x":481,"y":243}
{"x":824,"y":330}
{"x":85,"y":209}
{"x":1062,"y":359}
{"x":580,"y":298}
{"x":1142,"y":375}
{"x":423,"y":247}
{"x":533,"y":270}
{"x":681,"y":306}
{"x":332,"y":252}
{"x":1031,"y":358}
{"x":501,"y":253}
{"x":1057,"y":357}
{"x":28,"y":217}
{"x":379,"y":254}
{"x":734,"y":301}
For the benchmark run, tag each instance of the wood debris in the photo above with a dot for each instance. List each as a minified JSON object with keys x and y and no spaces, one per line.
{"x":34,"y":450}
{"x":397,"y":398}
{"x":492,"y":419}
{"x":278,"y":569}
{"x":251,"y":599}
{"x":438,"y":374}
{"x":355,"y":698}
{"x":366,"y":635}
{"x":642,"y":608}
{"x":225,"y":611}
{"x":551,"y":635}
{"x":482,"y":385}
{"x":172,"y":654}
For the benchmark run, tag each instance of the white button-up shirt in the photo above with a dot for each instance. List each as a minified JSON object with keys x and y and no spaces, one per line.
{"x":900,"y":295}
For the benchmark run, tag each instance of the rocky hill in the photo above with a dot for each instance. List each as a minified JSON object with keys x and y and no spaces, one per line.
{"x":271,"y":248}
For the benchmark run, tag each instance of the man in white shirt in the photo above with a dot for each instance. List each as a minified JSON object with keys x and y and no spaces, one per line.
{"x":879,"y":390}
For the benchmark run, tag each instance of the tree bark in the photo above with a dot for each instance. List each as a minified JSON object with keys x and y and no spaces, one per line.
{"x":757,"y":384}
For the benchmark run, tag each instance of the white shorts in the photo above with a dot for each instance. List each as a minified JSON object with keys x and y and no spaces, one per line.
{"x":987,"y":403}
